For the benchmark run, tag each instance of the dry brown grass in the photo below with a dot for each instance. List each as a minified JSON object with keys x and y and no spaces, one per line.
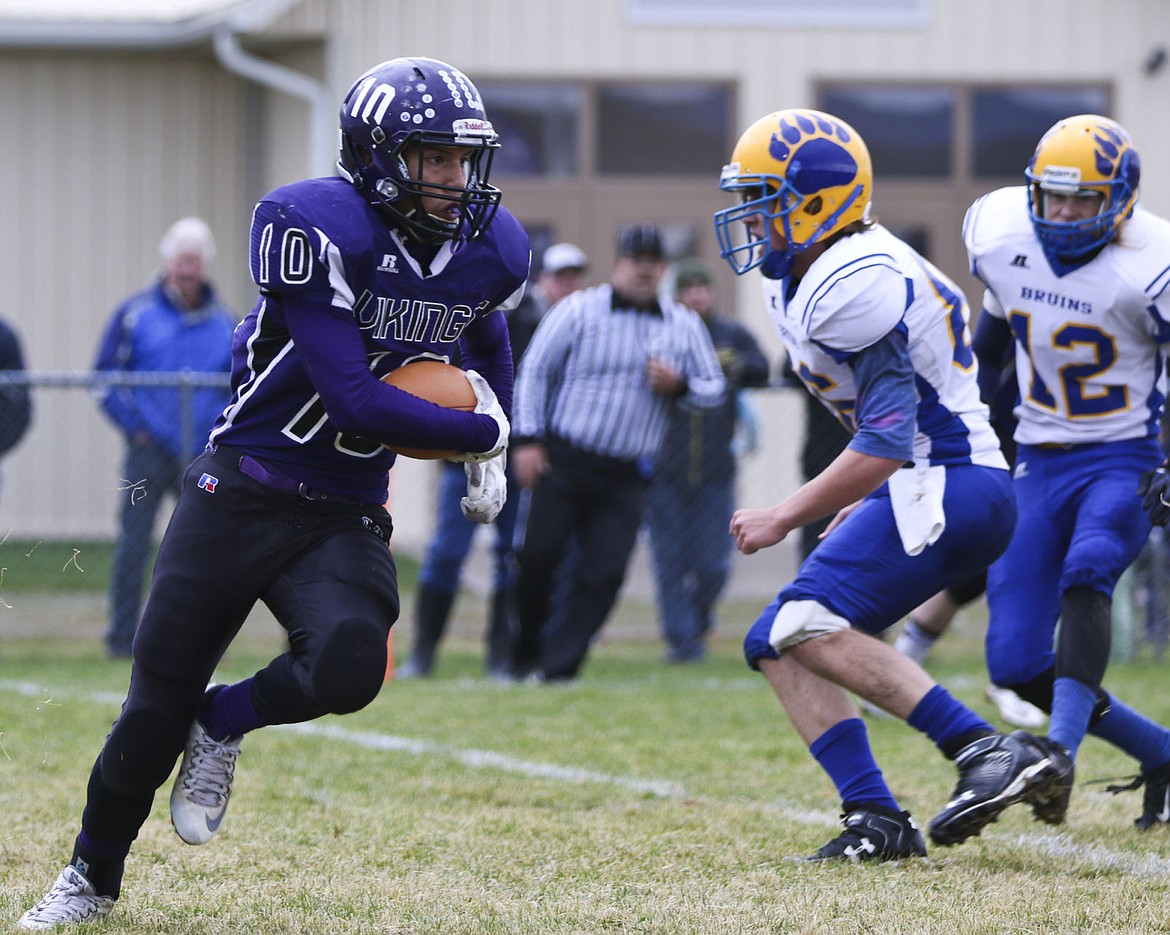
{"x":644,"y":799}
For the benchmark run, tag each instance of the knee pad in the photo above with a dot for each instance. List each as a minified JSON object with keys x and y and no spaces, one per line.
{"x":350,"y":668}
{"x":797,"y":621}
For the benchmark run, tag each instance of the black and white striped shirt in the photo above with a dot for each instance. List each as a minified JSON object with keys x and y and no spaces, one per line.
{"x":583,"y":377}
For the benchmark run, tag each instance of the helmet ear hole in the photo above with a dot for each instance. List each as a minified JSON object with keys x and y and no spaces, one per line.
{"x":814,"y":205}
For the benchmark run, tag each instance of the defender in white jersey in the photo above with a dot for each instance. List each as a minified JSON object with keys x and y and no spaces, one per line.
{"x":922,"y":490}
{"x":1076,"y":277}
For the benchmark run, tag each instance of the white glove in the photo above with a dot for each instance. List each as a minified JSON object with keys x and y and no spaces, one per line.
{"x":487,"y":489}
{"x":488,"y":405}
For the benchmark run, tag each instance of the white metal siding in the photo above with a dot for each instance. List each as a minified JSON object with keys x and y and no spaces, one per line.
{"x":100,"y":151}
{"x":99,"y":154}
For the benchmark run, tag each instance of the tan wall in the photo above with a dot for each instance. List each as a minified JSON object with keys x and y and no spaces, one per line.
{"x":100,"y":151}
{"x":994,"y":40}
{"x":98,"y":155}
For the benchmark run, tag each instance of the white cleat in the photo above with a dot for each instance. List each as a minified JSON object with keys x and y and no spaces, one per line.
{"x":200,"y":795}
{"x":1013,"y":709}
{"x":71,"y":901}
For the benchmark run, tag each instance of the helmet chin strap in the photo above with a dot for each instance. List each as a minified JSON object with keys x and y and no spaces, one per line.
{"x":419,"y":232}
{"x":387,"y":189}
{"x":778,"y":264}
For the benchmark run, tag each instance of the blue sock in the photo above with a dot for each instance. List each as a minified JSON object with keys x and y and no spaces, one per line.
{"x":843,"y":752}
{"x":942,"y":718}
{"x":1072,"y":706}
{"x":1133,"y":732}
{"x":229,"y":712}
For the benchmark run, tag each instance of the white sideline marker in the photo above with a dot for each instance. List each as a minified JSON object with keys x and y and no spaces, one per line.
{"x":1055,"y":845}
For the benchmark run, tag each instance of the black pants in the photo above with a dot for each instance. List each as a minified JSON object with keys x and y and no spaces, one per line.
{"x":325,"y":571}
{"x":598,"y":502}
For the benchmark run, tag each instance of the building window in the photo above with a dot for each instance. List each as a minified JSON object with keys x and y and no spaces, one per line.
{"x":909,"y":130}
{"x":662,"y":129}
{"x":539,"y":128}
{"x":956,"y":132}
{"x":1007,"y":122}
{"x":840,"y":14}
{"x":917,"y":235}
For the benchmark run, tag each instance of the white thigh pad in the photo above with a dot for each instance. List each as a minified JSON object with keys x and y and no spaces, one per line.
{"x":797,"y":621}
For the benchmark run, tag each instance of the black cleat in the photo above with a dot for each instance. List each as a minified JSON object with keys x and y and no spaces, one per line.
{"x":873,"y":832}
{"x":1155,"y":800}
{"x":995,"y":772}
{"x":1049,"y":801}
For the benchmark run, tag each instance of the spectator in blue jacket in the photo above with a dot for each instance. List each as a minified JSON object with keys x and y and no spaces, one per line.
{"x":176,"y":324}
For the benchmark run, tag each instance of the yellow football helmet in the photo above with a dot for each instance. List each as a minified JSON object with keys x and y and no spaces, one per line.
{"x":807,"y":173}
{"x":1083,"y":155}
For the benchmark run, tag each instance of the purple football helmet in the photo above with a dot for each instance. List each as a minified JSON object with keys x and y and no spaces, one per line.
{"x":418,"y":102}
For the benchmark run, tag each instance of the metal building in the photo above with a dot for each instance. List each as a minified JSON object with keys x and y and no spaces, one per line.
{"x":119,"y":116}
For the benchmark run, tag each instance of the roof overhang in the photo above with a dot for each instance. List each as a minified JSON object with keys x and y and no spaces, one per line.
{"x":131,"y":24}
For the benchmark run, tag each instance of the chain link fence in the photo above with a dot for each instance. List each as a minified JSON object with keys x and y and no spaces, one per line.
{"x":64,"y":481}
{"x":63,"y":478}
{"x":62,"y":487}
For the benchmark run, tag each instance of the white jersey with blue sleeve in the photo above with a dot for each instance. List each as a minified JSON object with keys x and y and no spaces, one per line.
{"x":1089,"y":364}
{"x":853,"y":295}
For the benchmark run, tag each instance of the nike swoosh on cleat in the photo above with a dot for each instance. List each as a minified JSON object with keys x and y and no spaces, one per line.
{"x":214,"y":821}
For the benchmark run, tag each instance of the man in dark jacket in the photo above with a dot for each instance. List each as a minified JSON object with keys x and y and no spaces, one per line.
{"x":562,"y":272}
{"x":15,"y":402}
{"x":692,"y":496}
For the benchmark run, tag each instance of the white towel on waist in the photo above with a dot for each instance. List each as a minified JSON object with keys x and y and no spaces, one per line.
{"x":916,"y":495}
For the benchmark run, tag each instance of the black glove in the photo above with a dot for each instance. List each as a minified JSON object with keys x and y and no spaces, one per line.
{"x":1154,"y":489}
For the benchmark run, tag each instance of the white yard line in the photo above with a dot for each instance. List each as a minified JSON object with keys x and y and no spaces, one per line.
{"x":486,"y":759}
{"x":1054,"y":845}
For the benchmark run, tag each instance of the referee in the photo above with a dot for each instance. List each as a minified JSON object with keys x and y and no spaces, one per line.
{"x":593,"y":393}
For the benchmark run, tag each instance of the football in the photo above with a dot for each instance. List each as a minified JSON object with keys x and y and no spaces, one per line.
{"x":436,"y":382}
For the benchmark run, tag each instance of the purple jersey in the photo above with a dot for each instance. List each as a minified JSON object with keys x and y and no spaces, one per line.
{"x":342,"y":303}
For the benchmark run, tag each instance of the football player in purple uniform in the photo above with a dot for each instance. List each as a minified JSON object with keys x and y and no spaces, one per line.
{"x":405,"y":255}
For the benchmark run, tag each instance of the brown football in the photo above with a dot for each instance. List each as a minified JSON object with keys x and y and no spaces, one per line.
{"x":439,"y":383}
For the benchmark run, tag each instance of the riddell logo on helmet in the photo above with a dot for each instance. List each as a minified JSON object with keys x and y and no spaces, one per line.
{"x":473,"y":126}
{"x":1061,"y":177}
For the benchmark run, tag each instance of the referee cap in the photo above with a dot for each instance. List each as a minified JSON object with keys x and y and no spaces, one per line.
{"x":641,"y":240}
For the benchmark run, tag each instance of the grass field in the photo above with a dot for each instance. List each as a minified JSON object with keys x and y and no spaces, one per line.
{"x":644,"y":798}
